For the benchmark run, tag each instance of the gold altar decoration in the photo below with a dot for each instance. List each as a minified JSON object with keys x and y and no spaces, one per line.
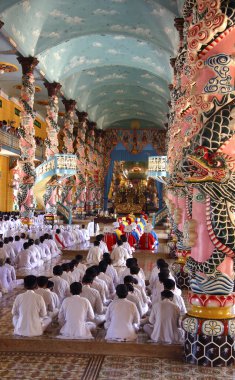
{"x":130,"y":199}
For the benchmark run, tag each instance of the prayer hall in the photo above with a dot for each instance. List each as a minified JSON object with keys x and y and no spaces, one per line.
{"x":117,"y":189}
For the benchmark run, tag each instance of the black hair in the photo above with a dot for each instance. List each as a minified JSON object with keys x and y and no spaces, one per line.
{"x":79,"y":258}
{"x":128,"y":280}
{"x":57,"y":270}
{"x":119,"y":243}
{"x":96,"y":243}
{"x":17,"y":238}
{"x":167,"y":294}
{"x":121,"y":291}
{"x":30,"y":282}
{"x":103,"y":266}
{"x":169,"y":284}
{"x":76,"y":288}
{"x":87,"y":278}
{"x":107,"y":258}
{"x":134,"y":269}
{"x":130,"y":262}
{"x":26,"y":245}
{"x":162,"y":276}
{"x":123,"y":238}
{"x":57,"y":231}
{"x":42,"y":281}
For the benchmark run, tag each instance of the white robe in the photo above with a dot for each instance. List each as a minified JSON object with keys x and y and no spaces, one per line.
{"x":5,"y":277}
{"x":61,"y":287}
{"x":74,"y":313}
{"x":121,"y":318}
{"x":164,"y":317}
{"x":94,"y":255}
{"x":29,"y":314}
{"x":119,"y":256}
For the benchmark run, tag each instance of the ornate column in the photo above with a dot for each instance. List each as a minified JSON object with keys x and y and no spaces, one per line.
{"x":80,"y":193}
{"x":27,"y":139}
{"x":52,"y":118}
{"x":68,"y":125}
{"x":91,"y":167}
{"x":201,"y":149}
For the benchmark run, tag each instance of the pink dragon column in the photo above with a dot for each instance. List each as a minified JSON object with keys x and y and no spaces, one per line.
{"x":202,"y":150}
{"x":50,"y":196}
{"x":52,"y":118}
{"x":68,"y":125}
{"x":26,"y":163}
{"x":80,"y":193}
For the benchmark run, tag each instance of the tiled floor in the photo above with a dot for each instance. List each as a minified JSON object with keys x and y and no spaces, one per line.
{"x":17,"y":366}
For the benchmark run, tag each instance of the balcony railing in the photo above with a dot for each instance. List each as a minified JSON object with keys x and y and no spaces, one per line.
{"x":11,"y":142}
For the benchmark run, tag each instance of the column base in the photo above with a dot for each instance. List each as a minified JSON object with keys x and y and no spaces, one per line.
{"x":209,"y":351}
{"x":181,"y":277}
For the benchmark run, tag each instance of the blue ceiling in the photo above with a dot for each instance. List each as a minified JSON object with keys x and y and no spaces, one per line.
{"x":111,"y":56}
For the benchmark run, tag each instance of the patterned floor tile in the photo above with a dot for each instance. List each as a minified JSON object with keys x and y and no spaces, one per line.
{"x":42,"y":366}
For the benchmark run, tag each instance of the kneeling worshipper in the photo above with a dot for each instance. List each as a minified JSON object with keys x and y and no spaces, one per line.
{"x":5,"y":277}
{"x":147,"y":240}
{"x":61,"y":286}
{"x":60,"y":242}
{"x":94,"y":297}
{"x":163,"y":326}
{"x":122,"y":317}
{"x":119,"y":255}
{"x":109,"y":237}
{"x":29,"y":311}
{"x":103,"y":245}
{"x":75,"y":315}
{"x":130,"y":238}
{"x":49,"y":298}
{"x":94,"y":255}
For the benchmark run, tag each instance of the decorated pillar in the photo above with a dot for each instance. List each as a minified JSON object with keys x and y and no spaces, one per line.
{"x":80,"y":192}
{"x":52,"y":118}
{"x":91,"y":167}
{"x":27,"y":139}
{"x":68,"y":125}
{"x":201,"y":149}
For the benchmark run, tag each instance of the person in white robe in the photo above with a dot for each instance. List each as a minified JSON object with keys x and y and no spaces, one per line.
{"x":5,"y":276}
{"x":14,"y":281}
{"x":23,"y":260}
{"x":169,"y":284}
{"x":45,"y":249}
{"x":94,"y":297}
{"x":103,"y":245}
{"x":127,"y":245}
{"x":3,"y":252}
{"x":85,"y":233}
{"x":68,"y":238}
{"x":55,"y":251}
{"x":9,"y":250}
{"x":29,"y":311}
{"x":154,"y":273}
{"x":94,"y":255}
{"x":99,"y":284}
{"x":119,"y":255}
{"x":46,"y":294}
{"x":75,"y":315}
{"x":55,"y":298}
{"x":108,"y":280}
{"x":61,"y":286}
{"x":163,"y":326}
{"x":122,"y":317}
{"x":60,"y":242}
{"x":33,"y":253}
{"x":142,"y":306}
{"x":93,"y":228}
{"x":111,"y":271}
{"x":67,"y":274}
{"x":80,"y":266}
{"x":17,"y":245}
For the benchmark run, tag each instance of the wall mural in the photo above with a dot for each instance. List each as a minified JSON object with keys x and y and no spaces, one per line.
{"x":202,"y":161}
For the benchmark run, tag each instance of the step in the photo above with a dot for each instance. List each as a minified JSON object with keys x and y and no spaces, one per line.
{"x":67,"y":346}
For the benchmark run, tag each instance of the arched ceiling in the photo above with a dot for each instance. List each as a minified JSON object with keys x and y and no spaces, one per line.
{"x":111,"y":56}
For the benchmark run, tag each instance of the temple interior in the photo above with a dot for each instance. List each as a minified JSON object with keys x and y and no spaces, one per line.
{"x":117,"y":129}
